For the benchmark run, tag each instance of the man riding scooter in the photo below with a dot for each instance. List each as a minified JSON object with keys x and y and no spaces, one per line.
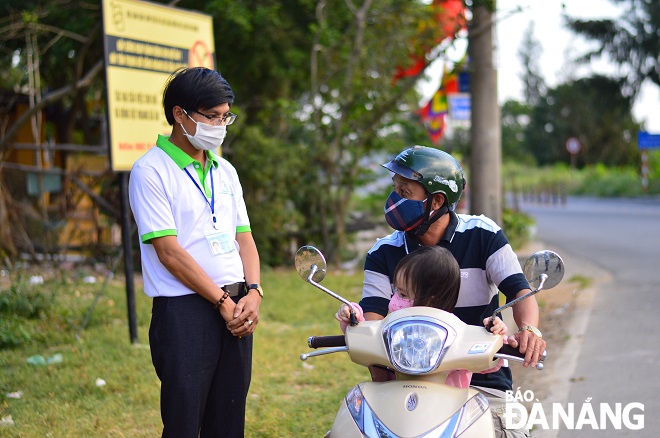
{"x":428,"y":183}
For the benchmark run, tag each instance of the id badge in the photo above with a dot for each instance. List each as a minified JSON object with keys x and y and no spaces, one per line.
{"x":220,"y":243}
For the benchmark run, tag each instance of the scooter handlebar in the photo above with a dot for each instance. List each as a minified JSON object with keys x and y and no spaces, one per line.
{"x":510,"y":353}
{"x":326,"y":341}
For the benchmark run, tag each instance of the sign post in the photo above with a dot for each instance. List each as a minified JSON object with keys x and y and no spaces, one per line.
{"x":645,"y":170}
{"x":646,"y":141}
{"x":573,"y":146}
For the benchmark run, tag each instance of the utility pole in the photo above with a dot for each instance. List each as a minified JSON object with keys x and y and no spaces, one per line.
{"x":485,"y":183}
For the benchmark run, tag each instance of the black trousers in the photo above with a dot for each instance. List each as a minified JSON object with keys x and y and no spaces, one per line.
{"x":204,"y":370}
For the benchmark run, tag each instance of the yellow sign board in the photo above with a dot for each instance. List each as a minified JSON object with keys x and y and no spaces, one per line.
{"x":144,"y":43}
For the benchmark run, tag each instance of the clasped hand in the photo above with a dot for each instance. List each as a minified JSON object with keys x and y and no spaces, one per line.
{"x":245,"y":317}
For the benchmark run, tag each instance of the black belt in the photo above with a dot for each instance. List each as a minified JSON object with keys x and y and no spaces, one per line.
{"x":234,"y":289}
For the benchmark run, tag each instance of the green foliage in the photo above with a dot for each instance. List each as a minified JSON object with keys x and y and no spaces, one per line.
{"x":19,"y":302}
{"x":266,"y":184}
{"x":314,"y":102}
{"x":12,"y":333}
{"x":26,"y":301}
{"x":515,"y":119}
{"x":516,"y":226}
{"x":529,"y":54}
{"x":609,"y":182}
{"x":630,"y":41}
{"x":66,"y":49}
{"x":560,"y":180}
{"x":582,"y":281}
{"x":591,"y":109}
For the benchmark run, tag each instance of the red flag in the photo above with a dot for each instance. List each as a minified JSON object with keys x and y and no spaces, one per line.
{"x":450,"y":16}
{"x":413,"y":70}
{"x":448,"y":19}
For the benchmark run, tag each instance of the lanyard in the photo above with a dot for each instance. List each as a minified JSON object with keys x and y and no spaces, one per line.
{"x":212,"y":203}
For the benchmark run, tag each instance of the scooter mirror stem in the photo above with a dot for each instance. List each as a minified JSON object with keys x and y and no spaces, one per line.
{"x":542,"y":279}
{"x":311,"y":281}
{"x":312,"y":271}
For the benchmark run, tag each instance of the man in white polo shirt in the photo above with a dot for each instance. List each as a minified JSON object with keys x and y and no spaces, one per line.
{"x":199,"y":262}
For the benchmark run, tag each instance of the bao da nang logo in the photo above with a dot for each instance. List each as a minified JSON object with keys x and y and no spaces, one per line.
{"x":572,"y":416}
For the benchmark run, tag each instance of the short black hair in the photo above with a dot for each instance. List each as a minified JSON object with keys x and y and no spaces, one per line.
{"x":195,"y":88}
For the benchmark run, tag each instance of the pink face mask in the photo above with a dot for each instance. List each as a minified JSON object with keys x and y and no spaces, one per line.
{"x":398,"y":303}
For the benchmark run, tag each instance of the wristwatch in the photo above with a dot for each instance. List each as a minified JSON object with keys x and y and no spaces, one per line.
{"x":531,"y":328}
{"x":257,"y":287}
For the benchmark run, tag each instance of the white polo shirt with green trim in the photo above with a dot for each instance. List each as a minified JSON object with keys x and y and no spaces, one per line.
{"x":166,"y":202}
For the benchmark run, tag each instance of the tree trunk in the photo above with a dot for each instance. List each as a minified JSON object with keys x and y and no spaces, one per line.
{"x":7,"y":247}
{"x":485,"y":163}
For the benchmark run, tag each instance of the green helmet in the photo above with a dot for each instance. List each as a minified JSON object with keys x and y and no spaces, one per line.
{"x":435,"y":170}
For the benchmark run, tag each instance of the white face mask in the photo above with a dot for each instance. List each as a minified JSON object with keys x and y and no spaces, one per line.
{"x":207,"y":137}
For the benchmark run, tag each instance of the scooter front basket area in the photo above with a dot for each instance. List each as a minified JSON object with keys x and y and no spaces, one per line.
{"x":410,"y":409}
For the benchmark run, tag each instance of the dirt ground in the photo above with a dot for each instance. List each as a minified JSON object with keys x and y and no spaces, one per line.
{"x":557,"y":308}
{"x":564,"y":311}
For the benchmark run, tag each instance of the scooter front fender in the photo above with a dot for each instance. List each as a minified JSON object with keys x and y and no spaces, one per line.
{"x":413,"y":409}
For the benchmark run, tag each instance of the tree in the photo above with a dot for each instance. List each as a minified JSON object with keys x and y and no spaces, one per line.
{"x":515,"y":119}
{"x":56,"y":58}
{"x":592,"y":109}
{"x":55,"y":61}
{"x":631,"y":41}
{"x":485,"y":128}
{"x":313,"y":81}
{"x":319,"y":108}
{"x":516,"y":115}
{"x":529,"y":54}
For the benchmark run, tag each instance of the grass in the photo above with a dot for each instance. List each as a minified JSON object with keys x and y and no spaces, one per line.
{"x":582,"y":281}
{"x":557,"y":181}
{"x":287,"y":397}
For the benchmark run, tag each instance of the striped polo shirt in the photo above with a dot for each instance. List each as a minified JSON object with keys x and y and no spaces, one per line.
{"x":487,"y":263}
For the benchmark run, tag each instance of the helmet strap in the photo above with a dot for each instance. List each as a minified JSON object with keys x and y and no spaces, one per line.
{"x":423,"y":228}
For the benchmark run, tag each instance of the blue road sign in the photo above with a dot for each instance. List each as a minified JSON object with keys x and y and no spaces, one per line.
{"x":459,"y":106}
{"x":648,"y":141}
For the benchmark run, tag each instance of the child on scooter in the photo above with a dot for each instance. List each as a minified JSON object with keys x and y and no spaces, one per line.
{"x":431,"y":277}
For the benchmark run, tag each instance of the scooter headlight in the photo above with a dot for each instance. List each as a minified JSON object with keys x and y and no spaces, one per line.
{"x":416,"y":345}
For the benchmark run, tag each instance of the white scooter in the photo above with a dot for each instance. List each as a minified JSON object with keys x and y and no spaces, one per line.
{"x":422,"y":345}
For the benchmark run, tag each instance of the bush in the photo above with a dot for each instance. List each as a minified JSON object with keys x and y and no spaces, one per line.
{"x":598,"y":180}
{"x":18,"y":303}
{"x":517,"y":227}
{"x":25,"y":301}
{"x":12,"y":334}
{"x":609,"y":182}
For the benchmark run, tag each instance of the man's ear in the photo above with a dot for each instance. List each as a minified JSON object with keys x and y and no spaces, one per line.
{"x":438,"y":201}
{"x":178,"y":114}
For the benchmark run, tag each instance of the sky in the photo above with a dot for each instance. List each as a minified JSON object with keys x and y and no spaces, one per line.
{"x":559,"y":46}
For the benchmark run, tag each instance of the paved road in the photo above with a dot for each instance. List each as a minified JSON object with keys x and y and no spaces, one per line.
{"x":619,"y":353}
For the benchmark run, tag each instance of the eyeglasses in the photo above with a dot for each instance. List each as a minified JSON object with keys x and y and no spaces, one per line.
{"x":226,"y":119}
